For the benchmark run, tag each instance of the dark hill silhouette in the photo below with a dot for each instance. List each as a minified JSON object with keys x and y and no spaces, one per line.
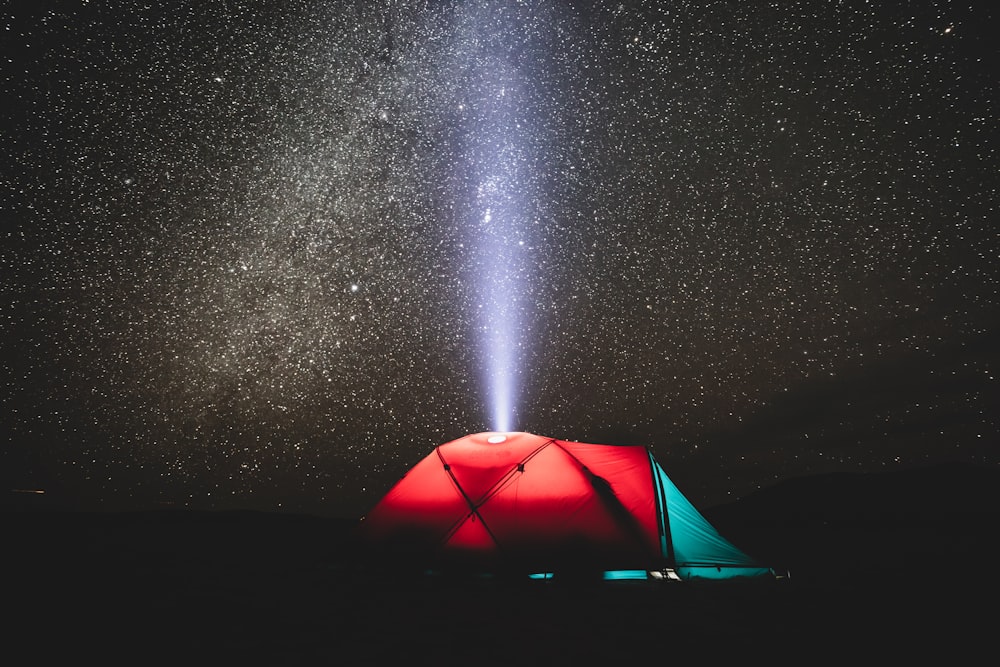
{"x":885,"y":565}
{"x":932,"y":490}
{"x":898,"y":525}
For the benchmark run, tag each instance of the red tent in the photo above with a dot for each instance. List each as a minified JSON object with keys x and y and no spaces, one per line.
{"x":540,"y":504}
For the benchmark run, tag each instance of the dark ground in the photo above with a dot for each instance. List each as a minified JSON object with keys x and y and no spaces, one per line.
{"x":883,"y":568}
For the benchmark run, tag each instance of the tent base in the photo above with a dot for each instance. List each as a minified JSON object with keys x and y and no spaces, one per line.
{"x":622,"y":575}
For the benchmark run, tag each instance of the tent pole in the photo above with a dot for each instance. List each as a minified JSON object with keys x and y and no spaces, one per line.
{"x":473,"y":508}
{"x":664,"y":518}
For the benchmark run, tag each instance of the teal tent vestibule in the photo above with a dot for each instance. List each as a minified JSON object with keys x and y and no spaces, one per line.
{"x":523,"y":502}
{"x":691,"y":546}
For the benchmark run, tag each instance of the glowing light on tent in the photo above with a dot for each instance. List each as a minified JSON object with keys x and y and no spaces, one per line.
{"x":530,"y":500}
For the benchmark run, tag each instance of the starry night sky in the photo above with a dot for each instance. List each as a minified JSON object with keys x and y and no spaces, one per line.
{"x":260,"y":254}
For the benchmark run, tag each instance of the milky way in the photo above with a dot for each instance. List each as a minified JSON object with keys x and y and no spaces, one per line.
{"x":269,"y":254}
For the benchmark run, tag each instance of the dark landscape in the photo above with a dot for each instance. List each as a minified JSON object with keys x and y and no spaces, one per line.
{"x":883,"y":567}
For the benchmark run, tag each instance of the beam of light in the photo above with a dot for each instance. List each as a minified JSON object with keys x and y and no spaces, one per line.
{"x":499,"y":325}
{"x":501,"y":247}
{"x":501,"y":126}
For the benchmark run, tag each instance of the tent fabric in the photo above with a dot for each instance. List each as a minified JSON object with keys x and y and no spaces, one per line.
{"x":698,"y":548}
{"x":519,"y":500}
